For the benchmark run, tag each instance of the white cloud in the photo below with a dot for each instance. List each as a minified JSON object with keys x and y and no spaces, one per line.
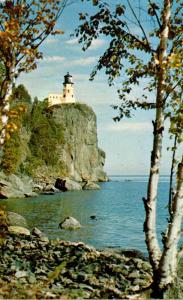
{"x":84,"y":61}
{"x":51,"y":41}
{"x":72,"y":41}
{"x":54,"y":58}
{"x":130,"y":126}
{"x":67,"y":63}
{"x":96,"y":44}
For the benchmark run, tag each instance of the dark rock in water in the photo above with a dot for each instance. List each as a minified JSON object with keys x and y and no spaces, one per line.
{"x":60,"y":184}
{"x":70,"y":223}
{"x":93,"y":217}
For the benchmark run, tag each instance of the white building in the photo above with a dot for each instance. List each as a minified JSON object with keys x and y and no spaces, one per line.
{"x":68,"y":93}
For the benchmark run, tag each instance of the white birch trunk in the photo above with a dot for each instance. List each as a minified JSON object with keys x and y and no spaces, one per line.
{"x":168,"y":263}
{"x":6,"y":108}
{"x":151,"y":201}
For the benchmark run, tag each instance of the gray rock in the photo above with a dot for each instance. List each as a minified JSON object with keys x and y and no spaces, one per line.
{"x":20,"y":274}
{"x":70,"y":223}
{"x":16,"y":219}
{"x":50,"y":188}
{"x":12,"y":186}
{"x":72,"y":185}
{"x":91,"y":186}
{"x":37,"y":232}
{"x":38,"y":188}
{"x":18,"y":230}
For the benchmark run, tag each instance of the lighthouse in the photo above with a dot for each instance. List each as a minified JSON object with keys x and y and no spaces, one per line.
{"x":68,"y":89}
{"x":68,"y":93}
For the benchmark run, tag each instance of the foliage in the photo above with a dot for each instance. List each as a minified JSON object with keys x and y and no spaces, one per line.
{"x":24,"y":27}
{"x":4,"y":222}
{"x":11,"y":154}
{"x":46,"y":135}
{"x":20,"y":116}
{"x":134,"y":57}
{"x":21,"y":95}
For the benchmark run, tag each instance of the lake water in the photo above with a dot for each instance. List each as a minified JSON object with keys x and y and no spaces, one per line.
{"x":118,"y":207}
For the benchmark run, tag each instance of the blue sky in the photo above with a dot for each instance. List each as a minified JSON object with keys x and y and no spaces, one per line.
{"x":128,"y":143}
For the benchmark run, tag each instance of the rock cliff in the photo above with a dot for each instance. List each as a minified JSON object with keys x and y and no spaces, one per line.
{"x":80,"y":153}
{"x":65,"y":146}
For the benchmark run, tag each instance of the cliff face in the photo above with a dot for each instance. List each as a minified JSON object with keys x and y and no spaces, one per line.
{"x":80,"y":153}
{"x":63,"y":143}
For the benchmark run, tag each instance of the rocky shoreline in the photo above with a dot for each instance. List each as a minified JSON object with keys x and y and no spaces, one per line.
{"x":14,"y":186}
{"x":34,"y":267}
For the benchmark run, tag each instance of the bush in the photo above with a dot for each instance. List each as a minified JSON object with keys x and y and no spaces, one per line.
{"x":46,"y":135}
{"x":11,"y":154}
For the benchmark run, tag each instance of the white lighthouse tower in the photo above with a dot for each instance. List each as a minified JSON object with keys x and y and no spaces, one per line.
{"x":68,"y":90}
{"x":68,"y":93}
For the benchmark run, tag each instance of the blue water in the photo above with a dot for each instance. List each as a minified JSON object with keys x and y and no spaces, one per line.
{"x":118,"y":207}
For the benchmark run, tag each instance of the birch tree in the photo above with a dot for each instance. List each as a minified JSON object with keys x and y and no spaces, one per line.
{"x":24,"y":26}
{"x":152,"y":56}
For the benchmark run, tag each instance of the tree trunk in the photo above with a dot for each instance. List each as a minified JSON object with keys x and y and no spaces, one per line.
{"x":6,"y":106}
{"x":168,"y":263}
{"x":151,"y":201}
{"x":171,"y":178}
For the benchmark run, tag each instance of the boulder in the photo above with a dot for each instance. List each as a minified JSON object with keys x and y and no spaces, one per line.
{"x":72,"y":185}
{"x":16,"y":219}
{"x":38,"y":187}
{"x":50,"y":188}
{"x":12,"y":186}
{"x":91,"y":186}
{"x":18,"y":230}
{"x":60,"y":184}
{"x":70,"y":223}
{"x":37,"y":232}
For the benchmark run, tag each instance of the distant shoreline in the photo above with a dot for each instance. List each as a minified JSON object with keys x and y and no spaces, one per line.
{"x":135,"y":175}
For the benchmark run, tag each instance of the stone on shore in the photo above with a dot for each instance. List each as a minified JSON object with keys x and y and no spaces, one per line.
{"x":18,"y":230}
{"x":16,"y":219}
{"x":70,"y":223}
{"x":68,"y":270}
{"x":12,"y":186}
{"x":91,"y":186}
{"x":72,"y":185}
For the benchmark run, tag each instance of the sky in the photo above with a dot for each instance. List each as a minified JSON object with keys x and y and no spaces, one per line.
{"x":127,"y":144}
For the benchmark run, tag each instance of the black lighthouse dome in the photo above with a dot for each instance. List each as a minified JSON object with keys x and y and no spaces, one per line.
{"x":68,"y":79}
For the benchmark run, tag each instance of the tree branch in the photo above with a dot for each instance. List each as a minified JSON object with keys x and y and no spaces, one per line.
{"x":141,"y":27}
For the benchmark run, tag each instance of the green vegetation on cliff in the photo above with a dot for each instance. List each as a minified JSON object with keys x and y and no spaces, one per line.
{"x":45,"y":137}
{"x":60,"y":141}
{"x":12,"y":150}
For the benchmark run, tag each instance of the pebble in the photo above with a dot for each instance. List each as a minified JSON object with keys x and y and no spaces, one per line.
{"x":20,"y":274}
